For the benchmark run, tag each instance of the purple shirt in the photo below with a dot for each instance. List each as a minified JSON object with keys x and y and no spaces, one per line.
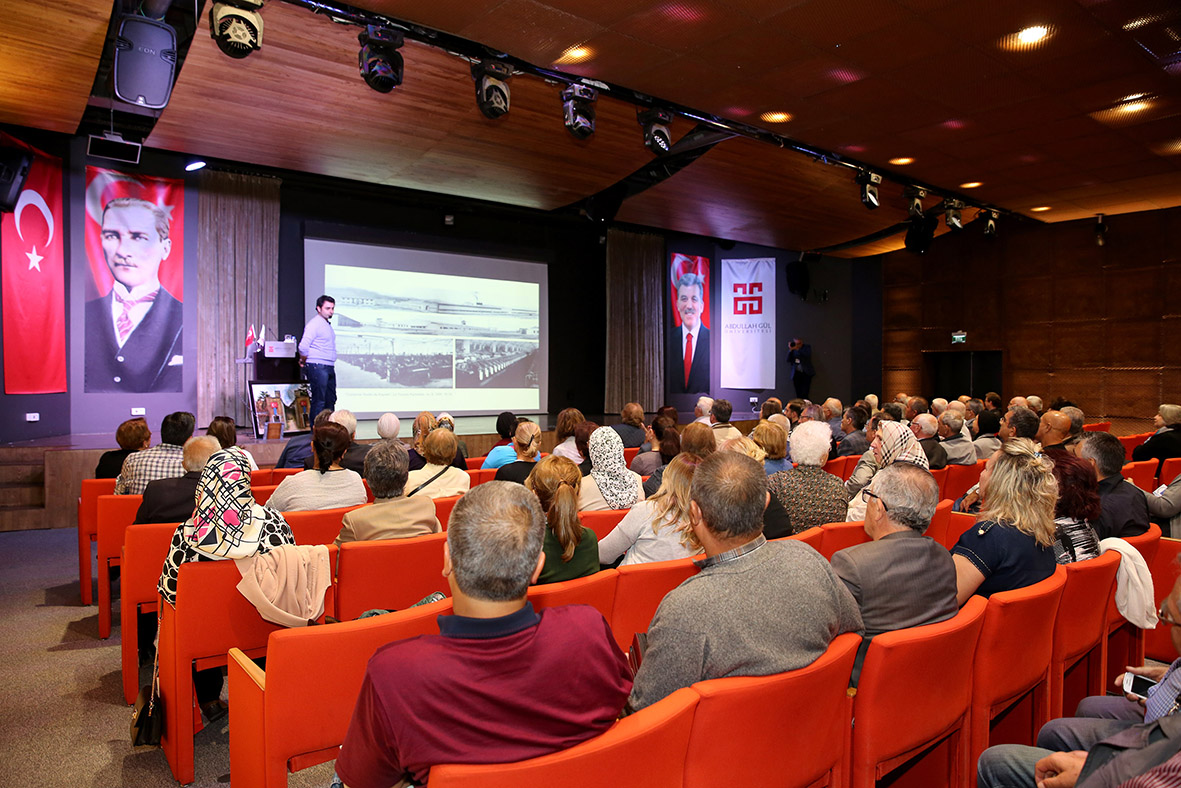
{"x":484,"y":691}
{"x":319,"y":341}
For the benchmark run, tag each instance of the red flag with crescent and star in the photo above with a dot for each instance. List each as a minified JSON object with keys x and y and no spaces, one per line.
{"x":33,"y":288}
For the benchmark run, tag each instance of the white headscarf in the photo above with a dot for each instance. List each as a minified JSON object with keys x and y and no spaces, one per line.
{"x":609,"y":470}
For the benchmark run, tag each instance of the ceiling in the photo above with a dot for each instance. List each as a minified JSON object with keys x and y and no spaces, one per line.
{"x":1087,"y":120}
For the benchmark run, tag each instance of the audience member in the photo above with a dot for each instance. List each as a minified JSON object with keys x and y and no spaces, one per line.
{"x":393,"y":514}
{"x":327,"y":485}
{"x":938,"y":405}
{"x":702,"y":410}
{"x":568,"y":419}
{"x":1123,"y":510}
{"x":527,"y":444}
{"x":669,"y":412}
{"x":902,"y":578}
{"x":893,"y":442}
{"x":1074,"y":442}
{"x":424,"y":424}
{"x":772,"y":439}
{"x":610,"y":484}
{"x":571,"y":549}
{"x":665,"y":443}
{"x":225,"y":430}
{"x":503,"y":455}
{"x":1165,"y":508}
{"x":447,"y":422}
{"x":894,"y":410}
{"x":926,"y":428}
{"x":872,"y":401}
{"x":793,"y":411}
{"x":810,"y":494}
{"x":1053,"y":430}
{"x":867,"y":464}
{"x":755,"y":607}
{"x":1165,"y":443}
{"x":832,"y":411}
{"x":165,"y":460}
{"x":988,"y":424}
{"x":172,"y":500}
{"x":992,"y":401}
{"x":1011,"y":544}
{"x":657,"y":528}
{"x":1078,"y":506}
{"x":298,"y":450}
{"x":697,"y":439}
{"x":959,"y":448}
{"x":854,"y":444}
{"x":770,"y":408}
{"x":915,"y":406}
{"x":499,"y":682}
{"x":506,"y":427}
{"x":1035,"y":404}
{"x":1021,"y":402}
{"x":776,"y":520}
{"x":719,"y":416}
{"x":388,"y":426}
{"x":132,"y":436}
{"x":582,"y":435}
{"x":975,"y":407}
{"x":438,"y":478}
{"x":631,"y":428}
{"x":354,"y":456}
{"x":1019,"y":422}
{"x":961,"y":410}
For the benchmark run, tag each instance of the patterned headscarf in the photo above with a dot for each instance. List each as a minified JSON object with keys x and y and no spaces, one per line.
{"x":609,"y":470}
{"x":900,"y":445}
{"x":227,"y":523}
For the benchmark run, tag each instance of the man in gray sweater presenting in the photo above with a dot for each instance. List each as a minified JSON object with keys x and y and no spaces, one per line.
{"x":755,"y":608}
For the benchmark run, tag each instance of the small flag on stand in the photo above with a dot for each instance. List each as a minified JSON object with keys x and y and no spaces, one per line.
{"x":262,"y":334}
{"x":250,"y":336}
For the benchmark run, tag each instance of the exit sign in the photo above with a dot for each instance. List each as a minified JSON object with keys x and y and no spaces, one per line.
{"x":959,"y":337}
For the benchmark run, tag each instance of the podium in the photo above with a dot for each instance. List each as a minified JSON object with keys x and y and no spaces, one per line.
{"x":271,"y":369}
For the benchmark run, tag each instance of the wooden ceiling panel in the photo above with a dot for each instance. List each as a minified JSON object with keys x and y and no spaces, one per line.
{"x":826,"y":25}
{"x":683,"y":25}
{"x":49,"y":53}
{"x":614,"y":53}
{"x":530,"y":30}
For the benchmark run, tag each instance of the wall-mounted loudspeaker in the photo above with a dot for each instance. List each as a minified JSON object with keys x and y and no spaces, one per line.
{"x":798,"y":277}
{"x":14,"y":169}
{"x":145,"y":62}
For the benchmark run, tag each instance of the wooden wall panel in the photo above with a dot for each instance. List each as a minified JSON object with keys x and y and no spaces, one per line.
{"x":1133,"y":293}
{"x":903,"y":307}
{"x":1077,"y":296}
{"x":1132,"y":392}
{"x":1084,"y":387}
{"x":1133,"y":343}
{"x":900,"y":348}
{"x":1079,"y":345}
{"x":1027,"y":301}
{"x":1033,"y":349}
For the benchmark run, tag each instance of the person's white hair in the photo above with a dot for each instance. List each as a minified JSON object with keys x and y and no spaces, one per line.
{"x":197,"y":452}
{"x":1035,"y":402}
{"x":953,"y":420}
{"x":872,"y":399}
{"x":346,"y":419}
{"x":781,"y":420}
{"x":927,"y":424}
{"x":938,"y":405}
{"x":810,"y":443}
{"x":704,"y":405}
{"x":833,"y":406}
{"x":388,"y":426}
{"x":957,"y":407}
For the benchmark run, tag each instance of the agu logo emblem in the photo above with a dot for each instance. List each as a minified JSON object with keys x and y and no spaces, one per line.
{"x":747,"y":298}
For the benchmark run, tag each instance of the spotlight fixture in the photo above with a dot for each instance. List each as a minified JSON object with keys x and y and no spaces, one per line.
{"x":236,"y":26}
{"x":1100,"y":231}
{"x":656,"y":135}
{"x":952,"y":214}
{"x":578,"y":110}
{"x":492,"y":93}
{"x":990,"y":218}
{"x":379,"y":60}
{"x":914,"y":200}
{"x":869,"y":188}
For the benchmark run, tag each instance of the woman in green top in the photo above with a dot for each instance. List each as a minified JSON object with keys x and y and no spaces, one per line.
{"x":571,"y":550}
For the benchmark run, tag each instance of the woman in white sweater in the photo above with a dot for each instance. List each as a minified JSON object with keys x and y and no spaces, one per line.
{"x":657,"y":529}
{"x":327,"y":485}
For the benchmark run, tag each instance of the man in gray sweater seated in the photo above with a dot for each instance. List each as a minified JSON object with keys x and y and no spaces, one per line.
{"x":755,"y":608}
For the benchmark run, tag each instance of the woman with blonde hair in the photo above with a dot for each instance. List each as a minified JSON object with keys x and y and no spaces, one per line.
{"x":772,"y":439}
{"x":527,"y":444}
{"x":571,"y":549}
{"x":657,"y":529}
{"x":438,"y":478}
{"x":1012,"y":543}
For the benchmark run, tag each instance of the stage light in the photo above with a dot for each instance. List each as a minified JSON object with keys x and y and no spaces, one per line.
{"x":194,"y":165}
{"x":578,"y":110}
{"x":869,"y":188}
{"x":990,"y":218}
{"x":1100,"y":231}
{"x":492,"y":92}
{"x":656,"y":135}
{"x":236,"y":26}
{"x":914,"y":200}
{"x":952,"y":214}
{"x":379,"y":59}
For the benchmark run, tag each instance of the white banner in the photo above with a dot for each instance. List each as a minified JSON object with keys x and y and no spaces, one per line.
{"x":748,"y":324}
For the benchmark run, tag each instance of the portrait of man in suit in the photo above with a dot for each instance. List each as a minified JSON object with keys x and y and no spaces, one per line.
{"x":688,"y":344}
{"x":133,"y":333}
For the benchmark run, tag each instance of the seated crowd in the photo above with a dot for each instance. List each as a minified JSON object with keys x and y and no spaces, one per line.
{"x":1049,"y":492}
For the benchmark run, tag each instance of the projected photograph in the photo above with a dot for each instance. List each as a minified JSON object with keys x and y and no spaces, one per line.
{"x":495,"y":364}
{"x":365,"y":360}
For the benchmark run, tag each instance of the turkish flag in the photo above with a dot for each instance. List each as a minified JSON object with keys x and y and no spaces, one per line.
{"x":33,"y":284}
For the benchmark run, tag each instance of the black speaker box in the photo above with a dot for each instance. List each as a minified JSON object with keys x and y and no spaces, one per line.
{"x":275,"y":370}
{"x":14,"y":169}
{"x":145,"y":62}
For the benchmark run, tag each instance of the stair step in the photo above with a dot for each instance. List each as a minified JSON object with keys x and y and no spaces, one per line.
{"x":22,"y":518}
{"x":22,"y":495}
{"x":22,"y":473}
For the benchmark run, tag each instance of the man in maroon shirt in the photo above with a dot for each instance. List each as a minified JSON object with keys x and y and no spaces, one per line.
{"x":500,"y":683}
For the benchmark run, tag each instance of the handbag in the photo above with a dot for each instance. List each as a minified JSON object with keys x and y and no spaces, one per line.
{"x":147,"y":720}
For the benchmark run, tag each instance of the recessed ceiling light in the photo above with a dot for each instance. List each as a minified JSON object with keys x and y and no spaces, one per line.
{"x":1027,"y":38}
{"x":902,"y":161}
{"x":575,"y":54}
{"x":1135,"y":97}
{"x":194,"y":165}
{"x":971,"y":185}
{"x":1040,"y":208}
{"x":1134,"y":106}
{"x":1167,"y":147}
{"x":776,"y":117}
{"x":1031,"y":35}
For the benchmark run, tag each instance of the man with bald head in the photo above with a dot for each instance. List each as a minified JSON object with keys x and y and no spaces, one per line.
{"x":1053,"y":431}
{"x":926,"y":427}
{"x":1019,"y":402}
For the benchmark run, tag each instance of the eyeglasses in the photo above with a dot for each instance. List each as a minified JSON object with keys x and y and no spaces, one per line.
{"x":1164,"y":615}
{"x":867,"y":493}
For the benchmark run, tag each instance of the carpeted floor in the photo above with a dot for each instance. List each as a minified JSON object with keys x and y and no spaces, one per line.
{"x":63,"y":721}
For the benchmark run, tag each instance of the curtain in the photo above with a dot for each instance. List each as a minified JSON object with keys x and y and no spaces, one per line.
{"x":238,"y":285}
{"x":635,"y":320}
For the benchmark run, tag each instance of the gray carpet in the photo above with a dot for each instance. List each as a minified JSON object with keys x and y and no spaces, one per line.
{"x":63,"y":721}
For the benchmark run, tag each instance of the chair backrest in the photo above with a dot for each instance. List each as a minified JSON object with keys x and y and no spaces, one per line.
{"x":638,"y":592}
{"x":262,"y":492}
{"x":443,"y":507}
{"x":597,"y":590}
{"x":1017,"y":640}
{"x":941,"y":478}
{"x":88,"y":502}
{"x":115,"y":514}
{"x":602,"y":522}
{"x":1132,"y":441}
{"x":1082,"y":612}
{"x":957,"y":524}
{"x":481,"y":475}
{"x":940,"y":522}
{"x":145,"y":547}
{"x":960,"y":478}
{"x":1142,"y":474}
{"x":279,"y":474}
{"x":836,"y":466}
{"x":892,"y":718}
{"x":838,"y":536}
{"x":1147,"y":542}
{"x":1170,"y":469}
{"x":316,"y":527}
{"x":643,"y":750}
{"x":630,"y":454}
{"x":391,"y":574}
{"x":474,"y":463}
{"x":1158,"y":643}
{"x":813,"y":537}
{"x":737,"y":736}
{"x":1099,"y":426}
{"x":263,"y":477}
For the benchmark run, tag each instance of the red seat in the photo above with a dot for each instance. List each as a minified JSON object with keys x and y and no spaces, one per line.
{"x":894,"y":722}
{"x":88,"y":531}
{"x":597,"y":590}
{"x":262,"y":493}
{"x":481,"y":475}
{"x":813,"y":537}
{"x":738,"y":729}
{"x":264,"y":477}
{"x":1012,"y":662}
{"x":115,"y":514}
{"x":602,"y":522}
{"x":1170,"y":469}
{"x":629,"y":455}
{"x":1125,"y":640}
{"x":643,"y":750}
{"x":940,"y":522}
{"x":836,"y":466}
{"x":941,"y":478}
{"x":1158,"y":643}
{"x":279,"y":474}
{"x":957,"y":524}
{"x":639,"y":590}
{"x":1099,"y":426}
{"x":1080,"y":646}
{"x":391,"y":574}
{"x":1130,"y":442}
{"x":838,"y":536}
{"x":1142,"y":474}
{"x":443,"y":507}
{"x":144,"y":550}
{"x":960,"y":478}
{"x":474,"y":463}
{"x":316,"y":527}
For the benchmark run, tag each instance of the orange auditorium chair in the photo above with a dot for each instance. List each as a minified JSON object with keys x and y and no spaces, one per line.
{"x":960,"y":478}
{"x":1158,"y":643}
{"x":279,"y":474}
{"x":643,"y":750}
{"x":481,"y":475}
{"x":940,"y":522}
{"x":1080,"y":643}
{"x":1170,"y":469}
{"x":630,"y":454}
{"x":899,"y":720}
{"x":443,"y":507}
{"x":317,"y":527}
{"x":262,"y":493}
{"x":145,"y":547}
{"x":813,"y":537}
{"x":941,"y":479}
{"x":1142,"y":474}
{"x":597,"y":590}
{"x":602,"y":522}
{"x":390,"y":574}
{"x":1125,"y":640}
{"x":88,"y":531}
{"x":838,"y":536}
{"x":1130,"y":442}
{"x":639,"y":590}
{"x":738,"y":728}
{"x":474,"y":463}
{"x":115,"y":514}
{"x":264,"y":477}
{"x":957,"y":524}
{"x":1099,"y":426}
{"x":836,"y":466}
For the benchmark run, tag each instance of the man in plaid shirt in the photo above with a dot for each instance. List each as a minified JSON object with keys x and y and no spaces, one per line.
{"x":163,"y":461}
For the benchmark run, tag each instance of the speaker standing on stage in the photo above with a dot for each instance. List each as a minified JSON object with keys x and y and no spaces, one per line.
{"x":799,"y":356}
{"x":317,"y":354}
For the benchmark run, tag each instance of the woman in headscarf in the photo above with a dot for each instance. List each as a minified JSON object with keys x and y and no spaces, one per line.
{"x":892,"y":443}
{"x":227,"y":524}
{"x":610,"y":484}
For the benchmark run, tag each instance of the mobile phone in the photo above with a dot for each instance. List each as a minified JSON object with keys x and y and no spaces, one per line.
{"x":1137,"y":685}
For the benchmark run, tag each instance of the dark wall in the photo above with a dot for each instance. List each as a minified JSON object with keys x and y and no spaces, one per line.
{"x":1095,"y":324}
